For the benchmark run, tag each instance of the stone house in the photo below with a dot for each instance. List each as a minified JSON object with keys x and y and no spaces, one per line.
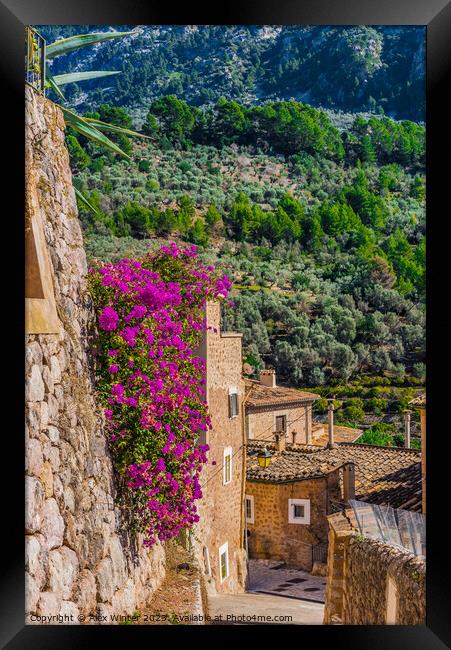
{"x":219,"y":533}
{"x":270,"y":408}
{"x":287,"y":503}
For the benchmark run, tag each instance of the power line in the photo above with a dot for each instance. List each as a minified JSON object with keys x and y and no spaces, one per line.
{"x":241,"y":447}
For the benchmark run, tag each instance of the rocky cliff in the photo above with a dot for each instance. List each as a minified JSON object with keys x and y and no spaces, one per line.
{"x":80,"y":559}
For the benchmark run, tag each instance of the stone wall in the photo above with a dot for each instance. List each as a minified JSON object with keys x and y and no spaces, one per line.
{"x":261,"y":422}
{"x":221,"y":508}
{"x":369,"y":565}
{"x":371,"y":583}
{"x":272,"y":536}
{"x":80,"y":560}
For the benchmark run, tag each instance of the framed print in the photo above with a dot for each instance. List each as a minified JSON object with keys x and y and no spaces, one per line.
{"x":227,"y":294}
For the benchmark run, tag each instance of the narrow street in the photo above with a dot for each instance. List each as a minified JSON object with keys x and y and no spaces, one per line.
{"x":252,"y":608}
{"x":274,"y":577}
{"x":276,"y":594}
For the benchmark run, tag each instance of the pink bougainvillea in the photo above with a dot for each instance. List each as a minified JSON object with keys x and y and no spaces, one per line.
{"x":151,"y":319}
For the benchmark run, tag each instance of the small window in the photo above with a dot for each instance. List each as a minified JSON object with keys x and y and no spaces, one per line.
{"x":224,"y":561}
{"x":281,"y":423}
{"x":227,"y":465}
{"x":298,"y":511}
{"x":249,"y":505}
{"x":233,"y":404}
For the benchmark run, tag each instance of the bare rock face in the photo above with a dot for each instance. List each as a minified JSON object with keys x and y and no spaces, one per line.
{"x":79,"y":558}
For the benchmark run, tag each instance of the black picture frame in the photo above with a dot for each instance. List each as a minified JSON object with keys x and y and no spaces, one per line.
{"x":435,"y":15}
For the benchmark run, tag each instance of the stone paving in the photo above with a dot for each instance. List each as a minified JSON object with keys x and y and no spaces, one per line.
{"x":260,"y":609}
{"x":275,"y":577}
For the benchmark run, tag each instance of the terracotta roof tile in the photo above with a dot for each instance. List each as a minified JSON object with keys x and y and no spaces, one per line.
{"x":341,"y":434}
{"x":261,"y":395}
{"x":419,"y":401}
{"x":389,"y":475}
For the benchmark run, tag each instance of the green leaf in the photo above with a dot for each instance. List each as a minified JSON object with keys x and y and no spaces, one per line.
{"x":66,"y":45}
{"x":80,"y":125}
{"x":84,"y":200}
{"x":75,"y":77}
{"x":50,"y":83}
{"x":104,"y":126}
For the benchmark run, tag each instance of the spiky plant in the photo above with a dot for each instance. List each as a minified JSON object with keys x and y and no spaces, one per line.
{"x":89,"y":127}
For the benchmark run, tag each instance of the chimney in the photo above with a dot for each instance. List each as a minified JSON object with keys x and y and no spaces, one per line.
{"x":407,"y":415}
{"x":280,"y":440}
{"x":348,"y":481}
{"x":268,"y":377}
{"x":330,"y":418}
{"x":295,"y":437}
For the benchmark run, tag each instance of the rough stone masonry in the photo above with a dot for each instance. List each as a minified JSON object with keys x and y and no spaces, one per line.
{"x":80,"y":561}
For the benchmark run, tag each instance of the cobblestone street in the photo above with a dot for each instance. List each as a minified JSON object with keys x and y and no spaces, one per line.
{"x":274,"y":577}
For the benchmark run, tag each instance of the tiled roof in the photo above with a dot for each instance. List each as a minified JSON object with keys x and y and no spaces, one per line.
{"x":341,"y":434}
{"x":389,"y":475}
{"x":419,"y":401}
{"x":261,"y":395}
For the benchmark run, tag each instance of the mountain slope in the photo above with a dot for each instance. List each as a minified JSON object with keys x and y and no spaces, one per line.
{"x":341,"y":68}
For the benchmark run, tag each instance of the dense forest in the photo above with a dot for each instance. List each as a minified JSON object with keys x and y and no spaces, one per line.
{"x":379,"y":69}
{"x":326,"y":243}
{"x":318,"y":216}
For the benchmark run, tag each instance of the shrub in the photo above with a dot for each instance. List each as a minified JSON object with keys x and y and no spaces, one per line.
{"x":353,"y":409}
{"x":376,"y":405}
{"x":144,"y":165}
{"x":151,"y":317}
{"x":320,"y":406}
{"x":377,"y":435}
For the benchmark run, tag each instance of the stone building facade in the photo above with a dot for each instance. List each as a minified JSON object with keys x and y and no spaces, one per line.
{"x":80,"y":559}
{"x":371,"y":583}
{"x":274,"y":533}
{"x":271,"y":408}
{"x":219,"y":536}
{"x":316,"y":481}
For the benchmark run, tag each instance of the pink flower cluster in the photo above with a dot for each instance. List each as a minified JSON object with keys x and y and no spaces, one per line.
{"x":151,"y":320}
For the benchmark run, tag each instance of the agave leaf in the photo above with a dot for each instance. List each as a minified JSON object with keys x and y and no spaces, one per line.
{"x":66,"y":45}
{"x":89,"y":131}
{"x":84,"y":200}
{"x":75,"y":77}
{"x":104,"y":126}
{"x":50,"y":83}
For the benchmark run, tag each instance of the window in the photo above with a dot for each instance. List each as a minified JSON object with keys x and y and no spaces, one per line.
{"x":224,"y":561}
{"x":281,"y":423}
{"x":227,"y":465}
{"x":249,"y":505}
{"x":233,"y":402}
{"x":206,"y":561}
{"x":298,"y":511}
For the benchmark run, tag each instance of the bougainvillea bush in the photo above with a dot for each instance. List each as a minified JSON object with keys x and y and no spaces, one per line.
{"x":151,"y":319}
